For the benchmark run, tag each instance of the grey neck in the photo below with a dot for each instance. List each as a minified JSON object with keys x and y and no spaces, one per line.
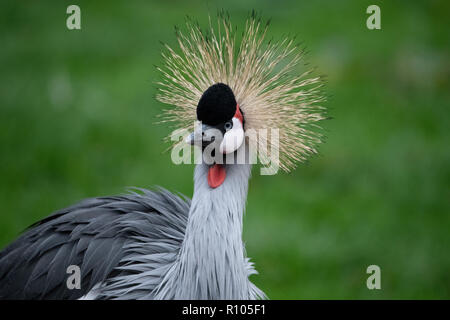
{"x":212,"y":262}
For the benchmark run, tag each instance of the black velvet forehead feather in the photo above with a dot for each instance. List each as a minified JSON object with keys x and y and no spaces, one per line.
{"x":217,"y":105}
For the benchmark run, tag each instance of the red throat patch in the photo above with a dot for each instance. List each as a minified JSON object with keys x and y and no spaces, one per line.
{"x":216,"y":175}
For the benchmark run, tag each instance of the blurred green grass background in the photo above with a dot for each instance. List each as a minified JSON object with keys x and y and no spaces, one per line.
{"x":77,"y":119}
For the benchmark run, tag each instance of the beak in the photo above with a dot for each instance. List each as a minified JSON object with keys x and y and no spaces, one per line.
{"x":202,"y":135}
{"x":233,"y":138}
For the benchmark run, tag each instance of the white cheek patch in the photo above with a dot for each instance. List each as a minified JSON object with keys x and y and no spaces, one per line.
{"x":233,"y":138}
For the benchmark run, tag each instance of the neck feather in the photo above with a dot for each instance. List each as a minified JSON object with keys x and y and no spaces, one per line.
{"x":212,"y":262}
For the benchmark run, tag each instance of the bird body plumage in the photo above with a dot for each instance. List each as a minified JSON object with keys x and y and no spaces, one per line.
{"x":144,"y":245}
{"x":98,"y":235}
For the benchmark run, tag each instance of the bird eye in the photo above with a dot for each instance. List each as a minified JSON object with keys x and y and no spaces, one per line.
{"x":228,"y":125}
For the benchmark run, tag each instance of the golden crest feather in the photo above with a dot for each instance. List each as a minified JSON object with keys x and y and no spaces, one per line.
{"x":264,"y":76}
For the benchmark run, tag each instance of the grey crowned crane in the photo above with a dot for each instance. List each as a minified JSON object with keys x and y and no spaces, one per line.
{"x":159,"y":245}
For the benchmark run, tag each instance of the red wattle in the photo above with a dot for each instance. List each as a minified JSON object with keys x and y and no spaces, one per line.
{"x":216,"y":175}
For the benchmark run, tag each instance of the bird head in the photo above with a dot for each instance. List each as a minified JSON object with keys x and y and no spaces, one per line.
{"x":238,"y":85}
{"x":221,"y":123}
{"x":220,"y":117}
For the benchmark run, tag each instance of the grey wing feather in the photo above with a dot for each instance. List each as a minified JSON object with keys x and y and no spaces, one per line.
{"x":99,"y":235}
